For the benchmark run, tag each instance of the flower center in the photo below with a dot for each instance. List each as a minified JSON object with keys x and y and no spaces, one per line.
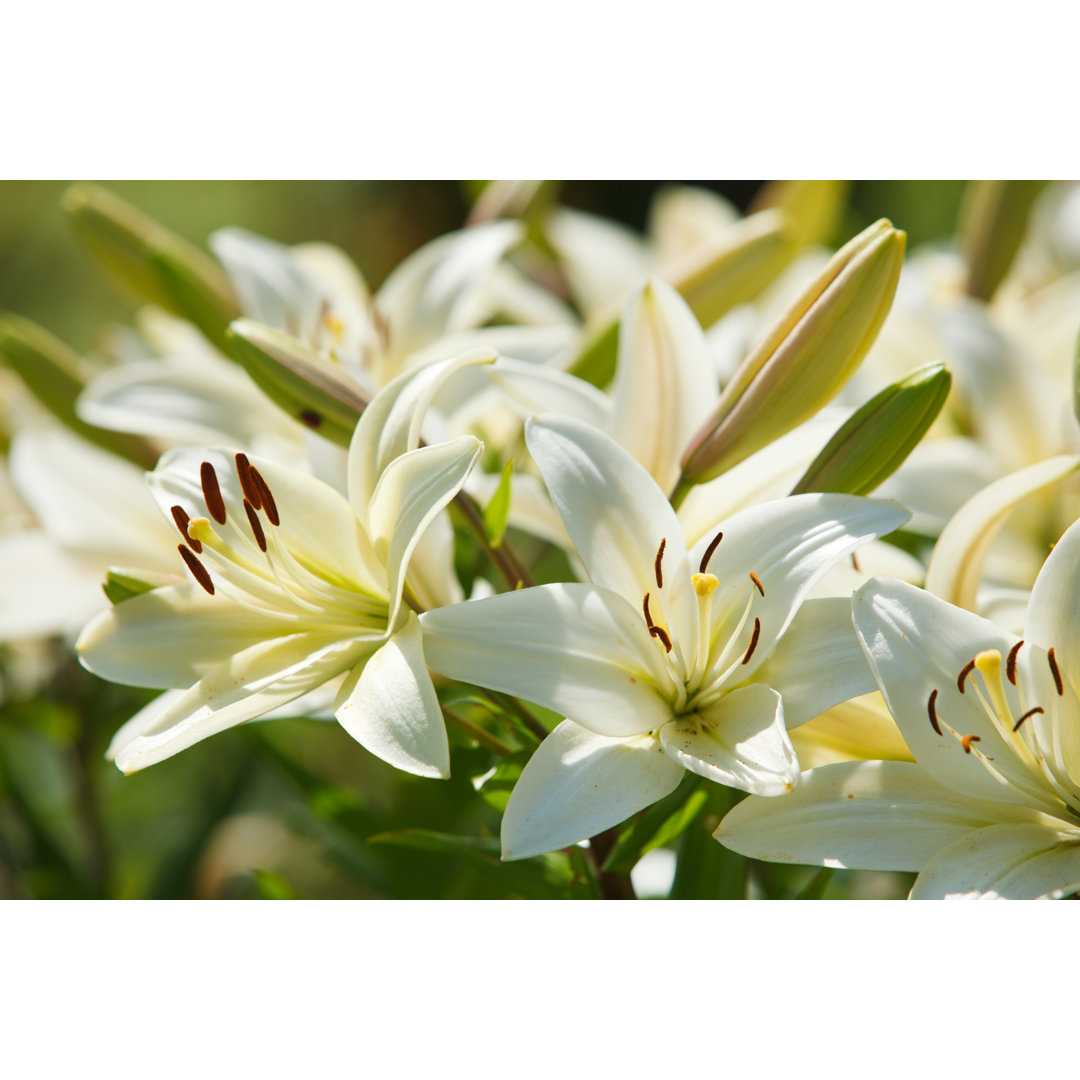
{"x":253,"y":565}
{"x":701,"y":660}
{"x":1032,"y":731}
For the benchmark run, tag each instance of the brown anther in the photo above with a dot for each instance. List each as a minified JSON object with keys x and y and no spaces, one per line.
{"x":713,"y":545}
{"x":1058,"y":684}
{"x":311,"y":418}
{"x":964,"y":672}
{"x":179,"y":515}
{"x":243,"y":471}
{"x":645,"y":607}
{"x":854,"y":563}
{"x":932,"y":710}
{"x":967,"y":740}
{"x":215,"y":504}
{"x":657,"y":567}
{"x":661,"y":633}
{"x":1010,"y":662}
{"x":1030,"y":712}
{"x":269,"y":507}
{"x":757,"y":583}
{"x":198,"y":571}
{"x":256,"y":525}
{"x":753,"y":641}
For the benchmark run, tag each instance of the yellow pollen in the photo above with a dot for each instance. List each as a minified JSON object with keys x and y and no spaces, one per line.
{"x":705,"y":584}
{"x":200,"y":529}
{"x":334,"y":324}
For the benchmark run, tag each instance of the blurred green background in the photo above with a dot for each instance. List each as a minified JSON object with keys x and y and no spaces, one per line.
{"x":288,"y":807}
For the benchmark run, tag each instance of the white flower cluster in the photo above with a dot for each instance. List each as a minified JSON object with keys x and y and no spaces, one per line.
{"x":694,"y":421}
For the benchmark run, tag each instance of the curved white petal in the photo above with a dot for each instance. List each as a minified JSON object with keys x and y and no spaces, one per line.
{"x":917,"y":644}
{"x":533,"y":388}
{"x":242,"y":688}
{"x":411,"y":492}
{"x":1053,"y":619}
{"x":818,"y":662}
{"x":578,"y":784}
{"x":957,"y":561}
{"x":789,"y":545}
{"x":391,"y":424}
{"x":576,"y":649}
{"x":664,"y":385}
{"x":615,"y":514}
{"x":869,"y":815}
{"x":439,"y":288}
{"x":389,"y":706}
{"x":740,"y":741}
{"x":1003,"y":862}
{"x":170,"y":636}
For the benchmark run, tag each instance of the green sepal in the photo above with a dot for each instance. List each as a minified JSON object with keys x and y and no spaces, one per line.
{"x":661,"y":824}
{"x":51,"y":371}
{"x":498,"y":509}
{"x":875,"y":440}
{"x":151,"y":262}
{"x":303,"y":384}
{"x":993,"y":219}
{"x":121,"y":585}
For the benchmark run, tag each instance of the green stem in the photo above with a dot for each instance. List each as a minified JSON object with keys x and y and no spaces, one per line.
{"x":477,"y":733}
{"x":614,"y":886}
{"x":503,"y":557}
{"x":682,"y":489}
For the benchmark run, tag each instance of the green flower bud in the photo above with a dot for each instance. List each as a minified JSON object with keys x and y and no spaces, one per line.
{"x":53,"y":373}
{"x":874,"y":442}
{"x":802,"y":363}
{"x":150,"y":261}
{"x":993,"y":220}
{"x":309,"y":388}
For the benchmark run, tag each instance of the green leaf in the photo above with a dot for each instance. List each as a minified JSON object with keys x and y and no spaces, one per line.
{"x":706,"y":870}
{"x":816,"y":886}
{"x":498,"y":509}
{"x":546,"y":877}
{"x":309,"y":388}
{"x":661,"y":824}
{"x":875,"y":440}
{"x":52,"y":372}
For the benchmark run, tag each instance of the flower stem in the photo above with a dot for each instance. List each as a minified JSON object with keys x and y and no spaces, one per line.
{"x":614,"y":886}
{"x":502,"y":557}
{"x":477,"y":733}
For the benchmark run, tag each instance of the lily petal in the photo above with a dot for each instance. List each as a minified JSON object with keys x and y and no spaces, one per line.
{"x":740,"y":741}
{"x":818,"y":663}
{"x":861,"y":729}
{"x":875,"y":815}
{"x":571,"y":648}
{"x":242,"y":688}
{"x":1053,"y":618}
{"x":578,"y":784}
{"x":1003,"y":862}
{"x":389,"y":706}
{"x":411,"y":492}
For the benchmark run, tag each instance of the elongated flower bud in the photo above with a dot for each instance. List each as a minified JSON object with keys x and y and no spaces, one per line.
{"x":874,"y":441}
{"x":993,"y":221}
{"x":806,"y":358}
{"x":152,"y":262}
{"x":309,"y":388}
{"x":51,"y":371}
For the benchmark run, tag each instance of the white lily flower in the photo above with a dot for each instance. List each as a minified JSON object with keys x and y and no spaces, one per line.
{"x":660,"y":664}
{"x":992,"y":809}
{"x":295,"y":586}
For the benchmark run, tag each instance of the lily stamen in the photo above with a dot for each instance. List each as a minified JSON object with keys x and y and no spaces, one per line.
{"x":1058,"y":684}
{"x":266,"y":497}
{"x":256,"y":526}
{"x":753,"y":641}
{"x":931,"y":707}
{"x":967,"y":740}
{"x":661,"y":634}
{"x":1010,"y":663}
{"x":713,"y":545}
{"x":1029,"y":713}
{"x":243,"y":472}
{"x":757,"y":583}
{"x":215,"y":504}
{"x":964,"y":672}
{"x":179,"y":515}
{"x":198,"y":571}
{"x":657,"y":563}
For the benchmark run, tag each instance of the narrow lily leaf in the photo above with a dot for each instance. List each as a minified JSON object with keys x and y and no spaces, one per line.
{"x":498,"y":509}
{"x":151,"y":261}
{"x":993,"y":221}
{"x":813,"y":206}
{"x":732,"y":271}
{"x":659,"y":825}
{"x":806,"y":358}
{"x":307,"y":387}
{"x":876,"y":440}
{"x":51,"y":372}
{"x":957,"y":560}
